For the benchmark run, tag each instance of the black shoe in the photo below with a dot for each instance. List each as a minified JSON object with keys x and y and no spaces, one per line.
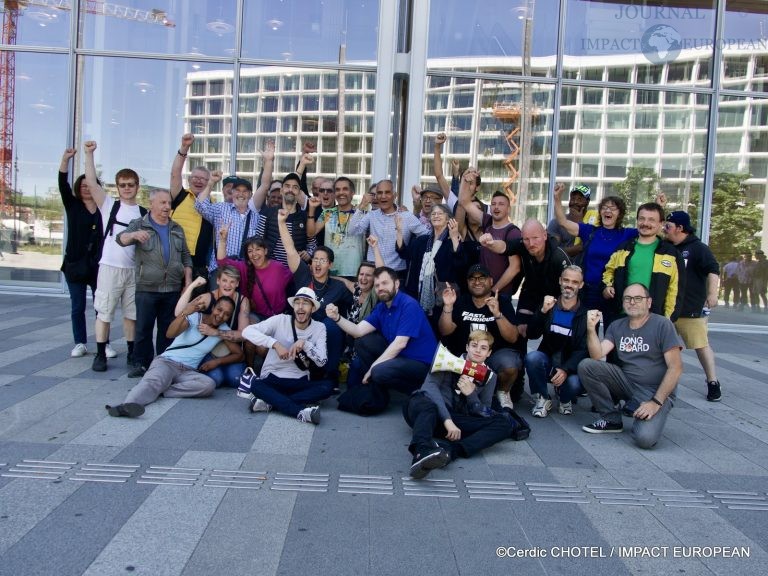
{"x":602,"y":426}
{"x":129,"y":359}
{"x":129,"y":410}
{"x":424,"y":464}
{"x":713,"y":391}
{"x":99,"y":364}
{"x":137,"y":372}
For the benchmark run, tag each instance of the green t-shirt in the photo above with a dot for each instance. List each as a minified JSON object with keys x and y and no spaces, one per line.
{"x":641,"y":264}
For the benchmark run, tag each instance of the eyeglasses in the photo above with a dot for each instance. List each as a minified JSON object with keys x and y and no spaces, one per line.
{"x":609,"y":209}
{"x":329,"y":190}
{"x":126,"y":185}
{"x":634,"y":299}
{"x":477,"y":279}
{"x":320,"y":260}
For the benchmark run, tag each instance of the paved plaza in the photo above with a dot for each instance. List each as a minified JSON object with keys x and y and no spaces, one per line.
{"x":202,"y":487}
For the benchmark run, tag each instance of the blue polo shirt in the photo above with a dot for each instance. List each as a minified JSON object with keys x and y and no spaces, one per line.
{"x":405,"y":318}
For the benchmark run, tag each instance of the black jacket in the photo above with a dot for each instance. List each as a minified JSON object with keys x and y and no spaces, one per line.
{"x":699,"y":264}
{"x":575,"y":349}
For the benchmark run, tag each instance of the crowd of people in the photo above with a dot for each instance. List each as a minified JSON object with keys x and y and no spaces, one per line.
{"x":287,"y":291}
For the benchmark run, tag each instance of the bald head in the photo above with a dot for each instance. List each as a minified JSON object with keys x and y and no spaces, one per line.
{"x":535,"y":238}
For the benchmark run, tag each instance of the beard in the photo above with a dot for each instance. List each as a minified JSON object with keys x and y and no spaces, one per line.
{"x":386,"y":295}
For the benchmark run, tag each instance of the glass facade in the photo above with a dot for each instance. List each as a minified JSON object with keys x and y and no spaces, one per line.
{"x":631,"y":97}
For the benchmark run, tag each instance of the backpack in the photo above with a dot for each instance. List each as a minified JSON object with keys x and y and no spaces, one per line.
{"x":113,"y":218}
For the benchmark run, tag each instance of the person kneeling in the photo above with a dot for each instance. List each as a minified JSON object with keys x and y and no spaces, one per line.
{"x":296,"y":343}
{"x":174,"y":373}
{"x":457,"y":408}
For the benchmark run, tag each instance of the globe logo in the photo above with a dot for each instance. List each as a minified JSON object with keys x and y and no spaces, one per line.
{"x":661,"y":43}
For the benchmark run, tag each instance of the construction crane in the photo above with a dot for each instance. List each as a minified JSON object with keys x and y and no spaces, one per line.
{"x":12,"y":10}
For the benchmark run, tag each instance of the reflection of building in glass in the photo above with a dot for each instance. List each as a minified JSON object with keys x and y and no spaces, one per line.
{"x":603,"y":130}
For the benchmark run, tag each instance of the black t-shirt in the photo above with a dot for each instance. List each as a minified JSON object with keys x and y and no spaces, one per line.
{"x":469,"y":317}
{"x":331,"y":292}
{"x":541,"y":278}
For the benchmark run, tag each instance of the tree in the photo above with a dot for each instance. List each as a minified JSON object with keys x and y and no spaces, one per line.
{"x":640,"y":185}
{"x":735,"y":219}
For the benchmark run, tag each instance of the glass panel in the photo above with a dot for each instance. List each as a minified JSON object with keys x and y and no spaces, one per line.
{"x":745,"y":45}
{"x":162,"y":26}
{"x":675,"y":38}
{"x":342,"y":31}
{"x":36,"y":24}
{"x":632,"y":151}
{"x":32,"y":220}
{"x":740,"y":187}
{"x":500,"y":133}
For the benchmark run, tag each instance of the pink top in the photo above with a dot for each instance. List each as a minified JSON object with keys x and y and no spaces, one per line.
{"x":274,"y":281}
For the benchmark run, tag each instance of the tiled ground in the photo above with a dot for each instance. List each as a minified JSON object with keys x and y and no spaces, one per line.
{"x":82,"y":493}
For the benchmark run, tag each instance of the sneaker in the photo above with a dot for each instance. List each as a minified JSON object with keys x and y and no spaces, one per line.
{"x":542,"y":407}
{"x":129,"y":410}
{"x":602,"y":426}
{"x":258,"y":405}
{"x":110,"y":352}
{"x":309,"y":415}
{"x":244,"y":386}
{"x":79,"y":351}
{"x":565,"y":408}
{"x":504,"y":400}
{"x":423,"y":464}
{"x":713,"y":391}
{"x":137,"y":372}
{"x":99,"y":364}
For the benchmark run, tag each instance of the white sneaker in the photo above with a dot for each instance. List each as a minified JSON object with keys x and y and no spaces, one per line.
{"x":565,"y":408}
{"x":309,"y":415}
{"x":542,"y":407}
{"x":110,"y":352}
{"x":79,"y":351}
{"x":504,"y":400}
{"x":258,"y":405}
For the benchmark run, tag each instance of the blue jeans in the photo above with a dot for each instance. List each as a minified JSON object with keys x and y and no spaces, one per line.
{"x":538,"y":365}
{"x":290,"y":395}
{"x":152,"y":307}
{"x":78,"y":297}
{"x":227,"y":375}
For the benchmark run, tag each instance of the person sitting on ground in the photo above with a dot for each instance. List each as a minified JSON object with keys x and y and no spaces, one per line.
{"x":291,"y":340}
{"x":457,"y":408}
{"x":394,"y":343}
{"x":228,"y":281}
{"x":174,"y":373}
{"x":649,"y":367}
{"x":563,"y":324}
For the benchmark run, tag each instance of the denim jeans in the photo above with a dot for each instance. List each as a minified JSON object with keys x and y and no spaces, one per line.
{"x":538,"y":365}
{"x":78,"y":294}
{"x":227,"y":375}
{"x":290,"y":395}
{"x":152,"y":307}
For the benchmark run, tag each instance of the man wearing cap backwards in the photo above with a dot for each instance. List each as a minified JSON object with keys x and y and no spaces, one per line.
{"x":242,"y":214}
{"x":197,"y":230}
{"x":702,"y":282}
{"x":296,"y":222}
{"x":577,"y":207}
{"x":482,"y":309}
{"x":291,"y":340}
{"x":174,"y":373}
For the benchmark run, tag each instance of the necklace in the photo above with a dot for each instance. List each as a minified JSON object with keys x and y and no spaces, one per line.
{"x":317,"y":286}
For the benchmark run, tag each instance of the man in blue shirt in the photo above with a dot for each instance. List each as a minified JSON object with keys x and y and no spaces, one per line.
{"x":395,"y":343}
{"x":174,"y":373}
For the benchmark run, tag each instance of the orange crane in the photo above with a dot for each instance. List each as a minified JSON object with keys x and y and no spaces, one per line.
{"x":11,"y":12}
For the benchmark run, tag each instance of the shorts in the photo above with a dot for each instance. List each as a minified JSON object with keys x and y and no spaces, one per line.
{"x":693,"y":331}
{"x":115,"y":285}
{"x":505,"y":358}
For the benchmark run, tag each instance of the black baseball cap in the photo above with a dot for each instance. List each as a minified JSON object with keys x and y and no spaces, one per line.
{"x":476,"y":269}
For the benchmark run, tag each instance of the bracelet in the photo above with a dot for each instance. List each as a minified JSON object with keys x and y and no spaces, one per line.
{"x":447,"y":311}
{"x":180,"y":154}
{"x":655,"y":401}
{"x":311,"y":217}
{"x":499,"y":317}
